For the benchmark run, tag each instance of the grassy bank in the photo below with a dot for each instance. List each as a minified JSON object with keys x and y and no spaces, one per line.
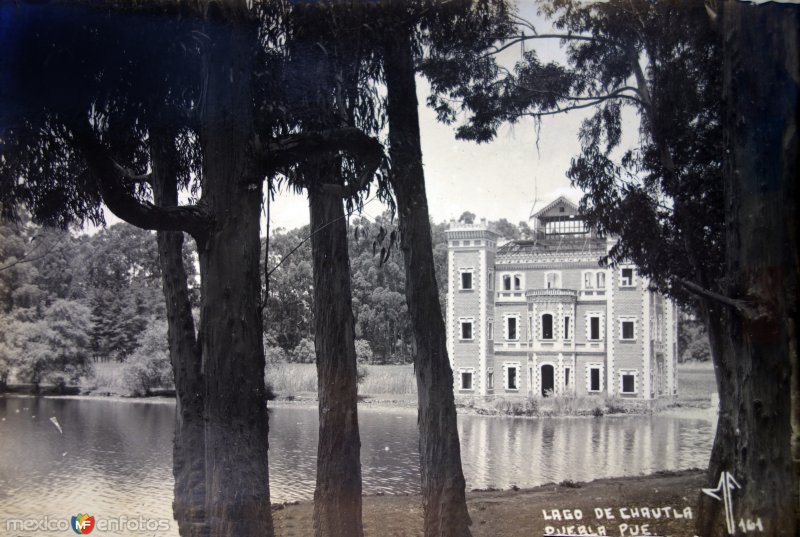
{"x":298,"y":380}
{"x":520,"y":513}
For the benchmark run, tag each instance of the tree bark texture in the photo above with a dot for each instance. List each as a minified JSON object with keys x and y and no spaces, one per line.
{"x":710,"y":520}
{"x":443,"y":485}
{"x":760,"y":105}
{"x":188,"y":455}
{"x":337,"y":496}
{"x":236,"y":427}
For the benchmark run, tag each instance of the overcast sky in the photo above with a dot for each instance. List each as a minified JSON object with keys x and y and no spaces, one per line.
{"x":497,"y":180}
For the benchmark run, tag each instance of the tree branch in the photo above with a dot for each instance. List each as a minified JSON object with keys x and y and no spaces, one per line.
{"x":523,"y":38}
{"x":29,"y":258}
{"x":114,"y":183}
{"x":579,"y":106}
{"x":291,"y":149}
{"x":617,"y":93}
{"x":743,"y":307}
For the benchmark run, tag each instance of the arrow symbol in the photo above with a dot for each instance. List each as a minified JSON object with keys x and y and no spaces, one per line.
{"x":723,"y":493}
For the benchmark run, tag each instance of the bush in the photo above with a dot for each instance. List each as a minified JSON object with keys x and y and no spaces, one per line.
{"x":526,"y":407}
{"x":148,"y":368}
{"x":304,"y":352}
{"x":275,"y":355}
{"x":614,"y":405}
{"x":363,"y":352}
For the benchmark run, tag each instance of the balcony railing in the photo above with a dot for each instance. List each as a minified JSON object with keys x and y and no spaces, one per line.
{"x":551,"y":292}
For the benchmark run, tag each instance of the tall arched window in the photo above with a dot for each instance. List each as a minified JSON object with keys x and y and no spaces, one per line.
{"x":506,"y":283}
{"x":601,"y":280}
{"x":587,"y":280}
{"x":547,"y":326}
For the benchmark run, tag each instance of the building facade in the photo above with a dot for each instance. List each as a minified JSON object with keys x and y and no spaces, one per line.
{"x":541,"y":317}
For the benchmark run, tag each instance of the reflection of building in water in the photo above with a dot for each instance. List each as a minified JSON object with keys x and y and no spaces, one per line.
{"x":540,"y":316}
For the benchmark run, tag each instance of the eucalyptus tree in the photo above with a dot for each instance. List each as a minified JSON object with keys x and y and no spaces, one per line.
{"x":667,"y":201}
{"x":468,"y":28}
{"x":328,"y":77}
{"x":761,"y":80}
{"x":92,"y":140}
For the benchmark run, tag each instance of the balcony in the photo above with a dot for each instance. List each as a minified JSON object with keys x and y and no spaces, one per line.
{"x":551,"y":295}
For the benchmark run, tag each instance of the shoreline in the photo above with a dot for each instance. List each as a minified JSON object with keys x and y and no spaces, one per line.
{"x":408,"y":404}
{"x":664,"y":503}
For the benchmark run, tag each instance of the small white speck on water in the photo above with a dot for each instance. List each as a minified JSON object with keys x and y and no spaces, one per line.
{"x":386,"y":448}
{"x":55,"y":422}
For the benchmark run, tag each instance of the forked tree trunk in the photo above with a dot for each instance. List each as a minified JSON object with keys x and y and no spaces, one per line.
{"x":188,"y":454}
{"x":760,"y":97}
{"x":337,"y":497}
{"x":236,"y":427}
{"x":443,"y":486}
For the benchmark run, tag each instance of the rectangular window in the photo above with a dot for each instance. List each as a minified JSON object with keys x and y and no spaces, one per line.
{"x":587,"y":280}
{"x":594,"y":328}
{"x":511,"y":378}
{"x":466,"y":380}
{"x":512,"y":327}
{"x":627,"y":330}
{"x":490,"y":331}
{"x":517,"y":283}
{"x":547,"y":326}
{"x":626,"y":277}
{"x":628,"y":381}
{"x":490,"y":379}
{"x":594,"y":379}
{"x":490,"y":281}
{"x":466,"y":281}
{"x":466,"y":329}
{"x":566,"y":328}
{"x":566,"y":377}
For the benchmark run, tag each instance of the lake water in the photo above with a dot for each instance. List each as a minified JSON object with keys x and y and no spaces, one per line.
{"x":115,"y":457}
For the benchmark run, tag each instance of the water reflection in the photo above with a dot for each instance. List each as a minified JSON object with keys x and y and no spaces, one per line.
{"x":115,"y":458}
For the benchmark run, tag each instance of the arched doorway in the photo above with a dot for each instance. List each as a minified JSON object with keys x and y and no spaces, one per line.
{"x":548,"y":380}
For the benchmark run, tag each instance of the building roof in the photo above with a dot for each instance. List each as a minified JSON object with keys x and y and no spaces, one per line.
{"x":561,"y":206}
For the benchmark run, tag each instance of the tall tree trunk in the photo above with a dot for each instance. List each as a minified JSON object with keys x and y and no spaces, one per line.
{"x":236,"y":427}
{"x":760,"y":98}
{"x":723,"y":454}
{"x":188,"y":455}
{"x":443,"y":494}
{"x":337,"y":497}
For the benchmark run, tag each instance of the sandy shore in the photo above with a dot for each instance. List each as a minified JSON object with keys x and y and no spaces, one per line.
{"x":663,"y":504}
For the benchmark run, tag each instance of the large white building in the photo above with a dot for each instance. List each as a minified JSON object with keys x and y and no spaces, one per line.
{"x":541,"y":316}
